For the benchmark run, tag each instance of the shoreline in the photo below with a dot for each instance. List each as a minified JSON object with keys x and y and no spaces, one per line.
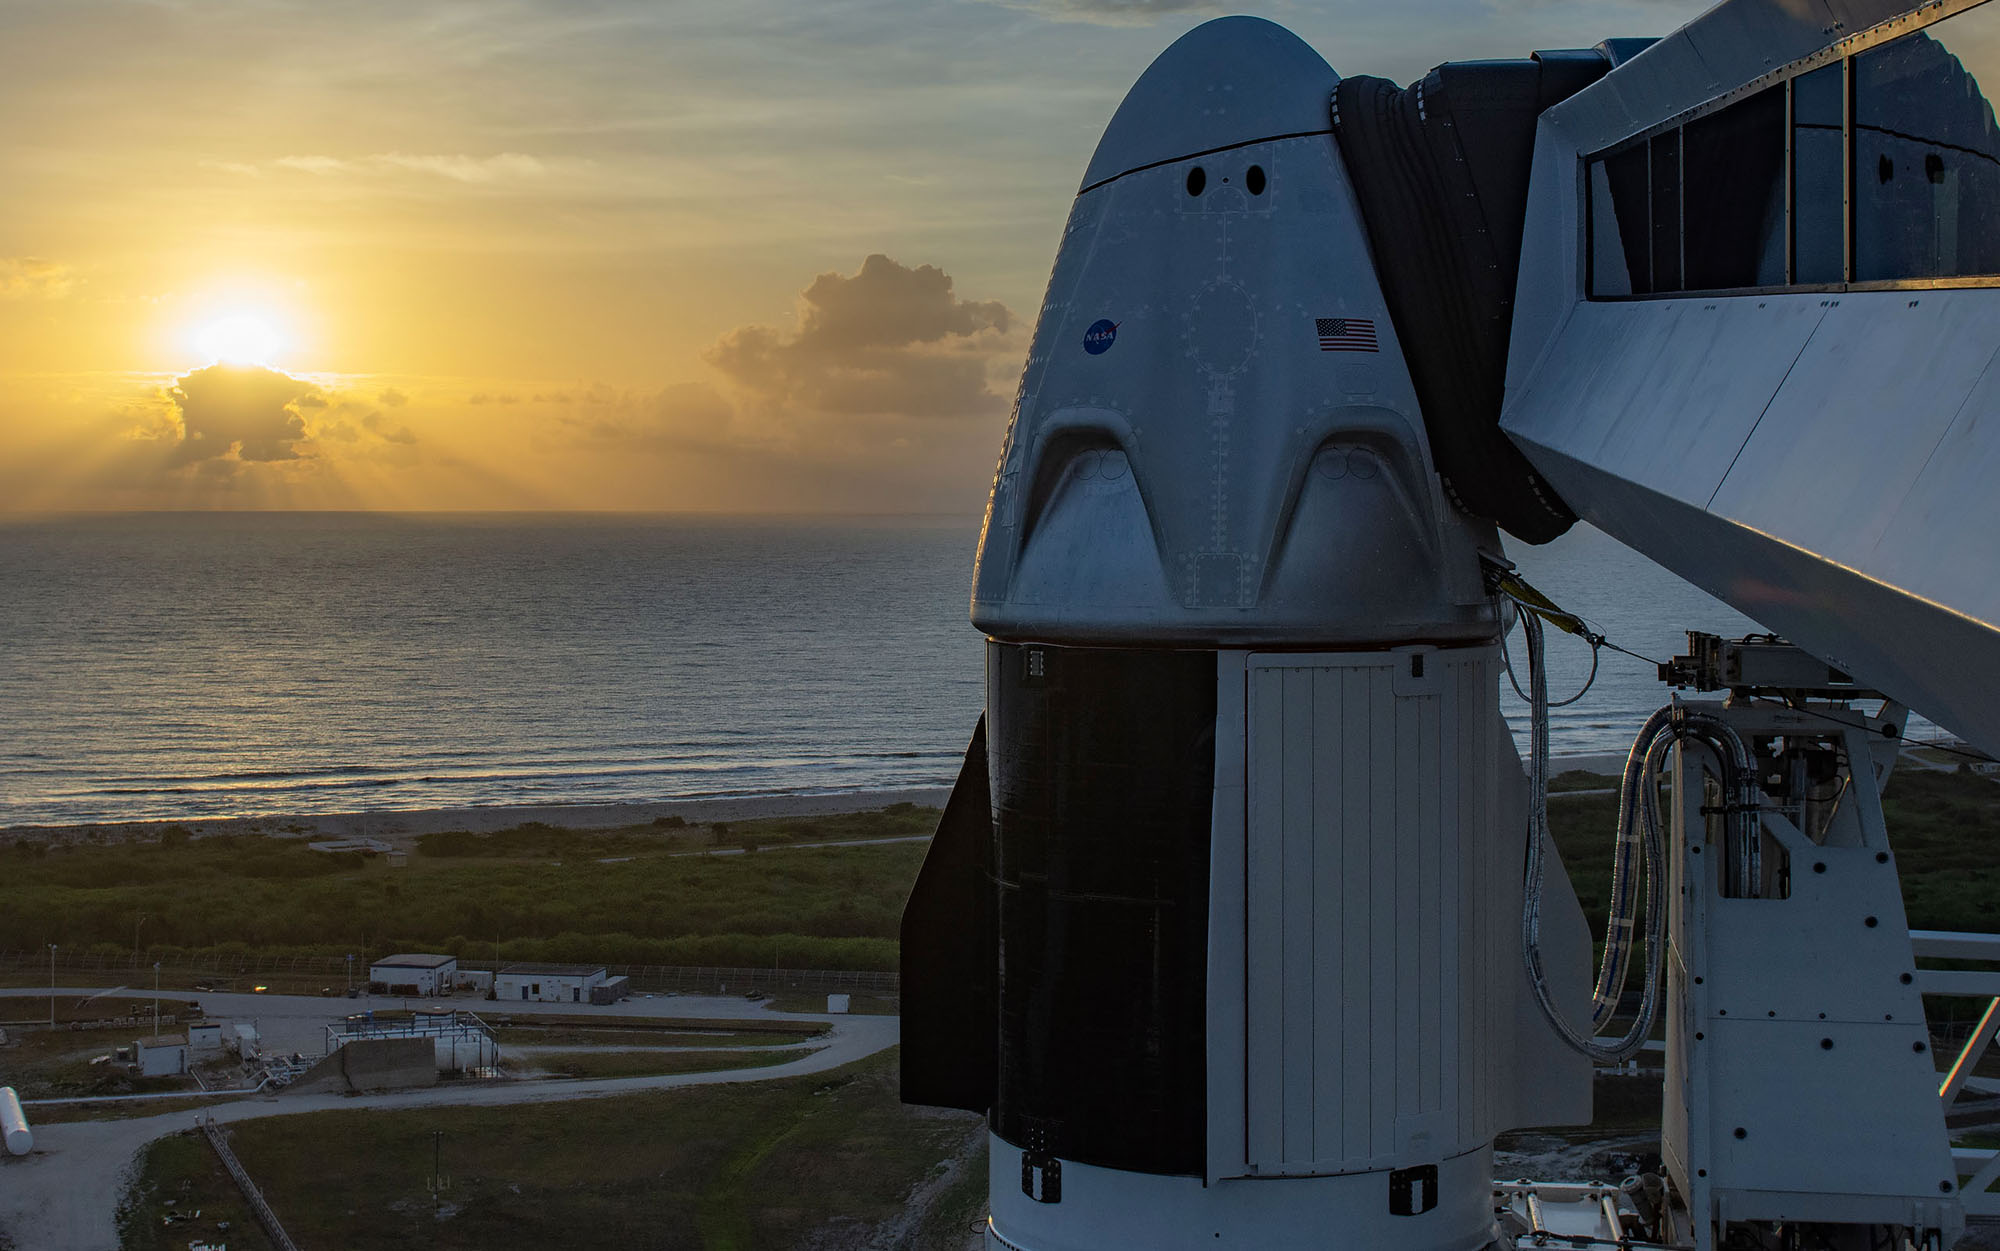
{"x":404,"y":826}
{"x":396,"y":827}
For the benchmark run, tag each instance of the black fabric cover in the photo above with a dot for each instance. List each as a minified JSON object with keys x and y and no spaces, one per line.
{"x":951,"y":952}
{"x":1441,"y":171}
{"x":1103,"y":766}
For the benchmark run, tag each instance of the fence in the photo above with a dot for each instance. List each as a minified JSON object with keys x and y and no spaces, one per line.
{"x":644,"y":977}
{"x":265,"y":1216}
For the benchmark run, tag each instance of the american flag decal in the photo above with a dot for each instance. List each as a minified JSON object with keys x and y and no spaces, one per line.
{"x":1346,"y":334}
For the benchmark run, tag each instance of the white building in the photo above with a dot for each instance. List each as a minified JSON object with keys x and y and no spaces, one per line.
{"x":547,"y":983}
{"x":206,"y":1036}
{"x":413,"y":974}
{"x":164,"y":1056}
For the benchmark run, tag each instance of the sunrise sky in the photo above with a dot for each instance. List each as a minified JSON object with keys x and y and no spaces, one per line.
{"x":683,"y":254}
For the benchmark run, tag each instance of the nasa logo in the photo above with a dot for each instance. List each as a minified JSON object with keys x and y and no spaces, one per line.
{"x":1098,"y":339}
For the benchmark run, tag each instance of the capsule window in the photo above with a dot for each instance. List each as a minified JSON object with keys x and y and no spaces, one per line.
{"x":1253,"y":180}
{"x":1196,"y":180}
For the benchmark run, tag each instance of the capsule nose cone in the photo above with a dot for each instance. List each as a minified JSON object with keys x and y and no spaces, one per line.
{"x":1230,"y":81}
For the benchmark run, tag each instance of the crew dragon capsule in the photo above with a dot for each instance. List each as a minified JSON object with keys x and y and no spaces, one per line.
{"x":1222,"y":924}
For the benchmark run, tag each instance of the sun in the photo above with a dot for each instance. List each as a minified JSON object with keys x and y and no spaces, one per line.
{"x":240,"y":339}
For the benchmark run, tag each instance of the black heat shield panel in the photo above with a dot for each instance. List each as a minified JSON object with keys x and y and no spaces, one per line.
{"x":951,"y":952}
{"x":1441,"y":173}
{"x":1103,"y":764}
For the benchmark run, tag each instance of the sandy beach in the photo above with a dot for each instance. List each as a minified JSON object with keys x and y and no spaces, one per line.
{"x":403,"y":827}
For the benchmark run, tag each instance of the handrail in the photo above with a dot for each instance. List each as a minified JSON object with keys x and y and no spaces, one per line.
{"x":1980,"y":1168}
{"x":265,"y":1216}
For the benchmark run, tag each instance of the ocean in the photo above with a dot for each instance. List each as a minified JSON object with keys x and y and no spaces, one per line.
{"x":185,"y":665}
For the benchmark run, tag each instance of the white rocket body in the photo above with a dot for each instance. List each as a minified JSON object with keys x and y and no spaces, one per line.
{"x":1244,"y":819}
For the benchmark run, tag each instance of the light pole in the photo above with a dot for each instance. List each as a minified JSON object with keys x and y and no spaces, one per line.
{"x":350,"y":974}
{"x":156,"y":998}
{"x":135,"y":939}
{"x":52,"y":985}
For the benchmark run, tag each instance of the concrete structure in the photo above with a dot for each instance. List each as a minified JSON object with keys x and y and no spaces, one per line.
{"x":460,"y":1040}
{"x":164,"y":1056}
{"x":413,"y":974}
{"x":365,"y":1064}
{"x":611,"y":990}
{"x":243,"y":1040}
{"x":206,"y":1036}
{"x":837,"y":1003}
{"x":480,"y":980}
{"x":14,"y":1123}
{"x":548,"y":983}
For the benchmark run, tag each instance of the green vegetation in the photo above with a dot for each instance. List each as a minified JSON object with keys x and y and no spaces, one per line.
{"x":1945,"y":828}
{"x":656,"y":1062}
{"x":530,"y":1037}
{"x":50,"y":1064}
{"x":181,"y":1175}
{"x":544,"y":893}
{"x":787,"y":1031}
{"x":1581,"y":780}
{"x":645,"y":895}
{"x":727,"y":1167}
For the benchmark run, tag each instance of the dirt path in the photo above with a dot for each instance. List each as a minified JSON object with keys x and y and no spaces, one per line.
{"x":65,"y":1194}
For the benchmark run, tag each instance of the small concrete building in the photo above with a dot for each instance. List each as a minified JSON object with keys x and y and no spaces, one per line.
{"x":413,"y":974}
{"x":547,"y":983}
{"x":165,"y":1056}
{"x":243,"y":1040}
{"x":205,"y":1036}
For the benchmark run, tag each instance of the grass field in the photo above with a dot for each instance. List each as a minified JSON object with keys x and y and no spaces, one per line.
{"x":571,"y":1037}
{"x":633,"y":896}
{"x":657,"y":1062}
{"x":627,"y":896}
{"x":183,"y":1168}
{"x":825,"y":1161}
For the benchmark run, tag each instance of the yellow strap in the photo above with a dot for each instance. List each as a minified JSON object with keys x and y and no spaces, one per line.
{"x":1542,"y":606}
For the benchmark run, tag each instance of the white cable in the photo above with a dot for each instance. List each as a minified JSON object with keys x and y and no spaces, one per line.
{"x":1633,"y":803}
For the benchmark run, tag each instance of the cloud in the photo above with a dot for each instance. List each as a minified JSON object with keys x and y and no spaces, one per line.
{"x":684,"y":416}
{"x":246,"y":409}
{"x":885,"y":340}
{"x":393,"y":398}
{"x":376,"y":425}
{"x":458,"y":167}
{"x":33,"y":276}
{"x":1114,"y":12}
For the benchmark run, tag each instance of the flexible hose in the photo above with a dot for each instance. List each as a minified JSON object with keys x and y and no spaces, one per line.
{"x":1639,"y":856}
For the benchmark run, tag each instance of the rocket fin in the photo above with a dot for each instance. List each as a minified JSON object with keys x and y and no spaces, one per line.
{"x":951,"y":951}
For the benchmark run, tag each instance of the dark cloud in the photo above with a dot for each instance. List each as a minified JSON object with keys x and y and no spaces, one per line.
{"x":250,"y":409}
{"x":393,"y":398}
{"x":887,"y":339}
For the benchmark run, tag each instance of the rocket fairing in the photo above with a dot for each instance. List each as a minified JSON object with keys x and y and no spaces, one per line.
{"x":1221,"y":925}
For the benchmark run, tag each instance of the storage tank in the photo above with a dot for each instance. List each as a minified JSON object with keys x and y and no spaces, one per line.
{"x":14,"y":1124}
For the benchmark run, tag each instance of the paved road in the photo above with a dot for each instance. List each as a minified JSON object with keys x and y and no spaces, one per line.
{"x":63,"y":1196}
